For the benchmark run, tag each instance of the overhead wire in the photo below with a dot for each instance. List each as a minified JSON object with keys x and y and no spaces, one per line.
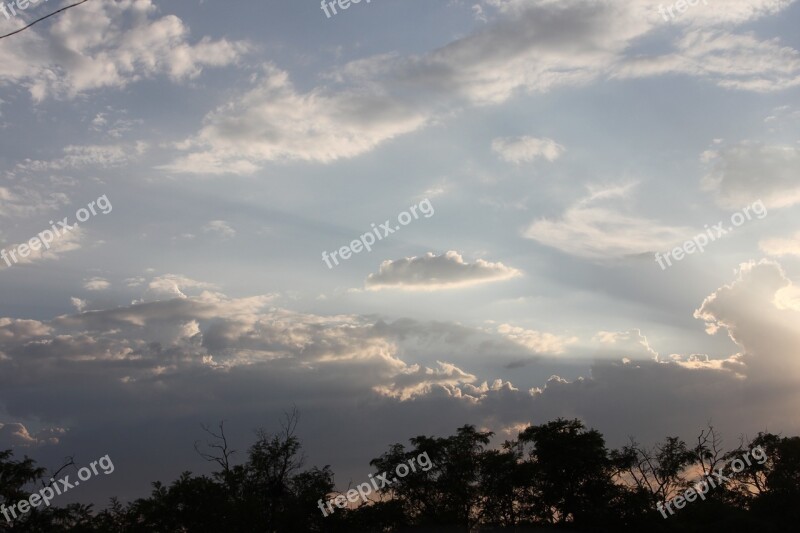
{"x":41,"y":19}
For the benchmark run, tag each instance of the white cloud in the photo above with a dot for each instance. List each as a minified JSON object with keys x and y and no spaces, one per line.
{"x":537,"y":341}
{"x":96,"y":284}
{"x":532,"y":46}
{"x":273,"y":121}
{"x":172,"y":286}
{"x":526,"y":149}
{"x":108,"y":45}
{"x":431,"y":272}
{"x":732,"y":61}
{"x":78,"y":304}
{"x":597,"y":232}
{"x":415,"y":380}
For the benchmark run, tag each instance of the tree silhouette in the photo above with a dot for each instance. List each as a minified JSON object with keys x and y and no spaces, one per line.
{"x":555,"y":476}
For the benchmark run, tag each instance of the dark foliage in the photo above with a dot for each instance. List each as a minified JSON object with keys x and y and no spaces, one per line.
{"x":557,"y":476}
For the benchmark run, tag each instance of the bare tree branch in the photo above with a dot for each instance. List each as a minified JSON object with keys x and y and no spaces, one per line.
{"x":222,"y":458}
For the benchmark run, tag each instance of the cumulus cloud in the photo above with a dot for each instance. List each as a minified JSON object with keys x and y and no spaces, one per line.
{"x":747,"y":309}
{"x":172,"y":286}
{"x":743,"y":173}
{"x":526,"y":149}
{"x":22,"y":330}
{"x":415,"y":380}
{"x":107,"y":45}
{"x":431,"y":272}
{"x":592,"y":230}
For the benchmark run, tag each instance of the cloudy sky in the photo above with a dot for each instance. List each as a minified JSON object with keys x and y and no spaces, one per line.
{"x":547,"y":149}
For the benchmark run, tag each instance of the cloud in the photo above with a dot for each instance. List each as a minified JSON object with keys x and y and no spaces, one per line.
{"x":220,"y":228}
{"x":107,"y":45}
{"x":166,"y":362}
{"x":78,"y":304}
{"x":115,"y":129}
{"x":96,"y":284}
{"x":732,"y":61}
{"x":18,"y":201}
{"x":101,"y":156}
{"x":65,"y":242}
{"x":213,"y":162}
{"x":746,"y":392}
{"x":626,"y":344}
{"x":431,"y":272}
{"x":780,"y":246}
{"x":186,"y":353}
{"x":597,"y":232}
{"x":477,"y":12}
{"x":273,"y":121}
{"x":381,"y":97}
{"x":537,"y":341}
{"x":172,"y":286}
{"x":526,"y":149}
{"x":148,"y":342}
{"x":746,"y":309}
{"x":539,"y":45}
{"x":416,"y":380}
{"x":529,"y":47}
{"x":16,"y":435}
{"x":22,"y":330}
{"x":748,"y":171}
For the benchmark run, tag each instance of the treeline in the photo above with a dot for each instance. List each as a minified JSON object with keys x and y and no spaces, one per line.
{"x":554,"y":476}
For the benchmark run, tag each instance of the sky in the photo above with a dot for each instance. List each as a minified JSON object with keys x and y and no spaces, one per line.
{"x":576,"y":208}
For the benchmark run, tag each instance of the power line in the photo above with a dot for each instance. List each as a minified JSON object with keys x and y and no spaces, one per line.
{"x":41,"y":19}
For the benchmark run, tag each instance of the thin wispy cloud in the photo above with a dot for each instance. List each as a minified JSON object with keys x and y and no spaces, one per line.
{"x":597,"y":227}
